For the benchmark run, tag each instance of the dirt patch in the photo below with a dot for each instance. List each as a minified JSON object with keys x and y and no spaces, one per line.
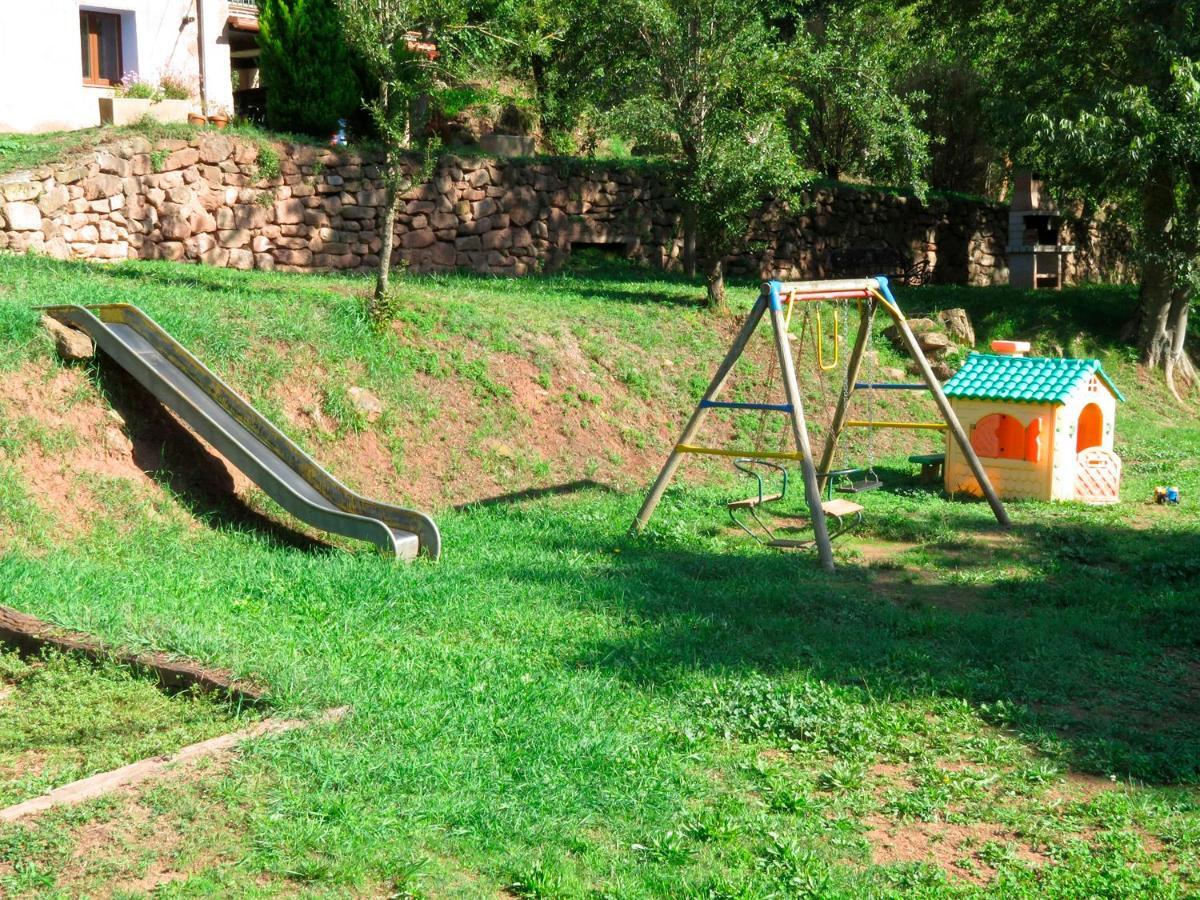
{"x":880,"y":554}
{"x":141,"y":847}
{"x":954,"y":848}
{"x":909,"y":585}
{"x":516,"y":427}
{"x":773,"y":755}
{"x":1079,"y":786}
{"x":301,"y":403}
{"x":66,"y":434}
{"x":886,"y":777}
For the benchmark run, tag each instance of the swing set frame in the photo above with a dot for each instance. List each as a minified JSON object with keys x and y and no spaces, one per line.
{"x":872,"y":294}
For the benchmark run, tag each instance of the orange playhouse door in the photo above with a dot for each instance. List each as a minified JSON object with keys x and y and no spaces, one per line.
{"x":1097,"y":476}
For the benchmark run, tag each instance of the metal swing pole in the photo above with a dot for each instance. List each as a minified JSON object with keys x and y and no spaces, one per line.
{"x":714,"y":388}
{"x":812,"y":493}
{"x":853,"y":366}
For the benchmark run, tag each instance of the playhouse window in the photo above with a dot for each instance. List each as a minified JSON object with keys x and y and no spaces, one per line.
{"x":1090,"y":431}
{"x":999,"y":437}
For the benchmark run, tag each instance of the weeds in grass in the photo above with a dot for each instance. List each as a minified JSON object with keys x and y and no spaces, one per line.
{"x":267,"y":162}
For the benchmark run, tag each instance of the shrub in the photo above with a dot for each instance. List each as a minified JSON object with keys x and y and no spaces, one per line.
{"x":305,"y":61}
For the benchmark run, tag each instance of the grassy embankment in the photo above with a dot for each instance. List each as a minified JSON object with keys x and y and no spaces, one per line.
{"x":559,"y":709}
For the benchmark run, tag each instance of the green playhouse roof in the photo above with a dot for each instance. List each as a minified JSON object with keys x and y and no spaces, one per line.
{"x":1024,"y":379}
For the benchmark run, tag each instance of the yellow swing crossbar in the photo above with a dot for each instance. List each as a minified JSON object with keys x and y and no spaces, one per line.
{"x":749,"y":454}
{"x":926,"y":426}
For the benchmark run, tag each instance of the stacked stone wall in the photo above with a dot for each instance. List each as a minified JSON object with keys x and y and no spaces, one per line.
{"x":224,"y":201}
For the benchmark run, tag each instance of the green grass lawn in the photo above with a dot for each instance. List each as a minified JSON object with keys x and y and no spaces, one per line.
{"x":558,"y":709}
{"x":62,"y":719}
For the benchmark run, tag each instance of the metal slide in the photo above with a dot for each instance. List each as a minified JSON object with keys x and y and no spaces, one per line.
{"x":243,"y":435}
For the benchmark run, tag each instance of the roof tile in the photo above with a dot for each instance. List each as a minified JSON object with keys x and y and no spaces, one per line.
{"x":1030,"y":379}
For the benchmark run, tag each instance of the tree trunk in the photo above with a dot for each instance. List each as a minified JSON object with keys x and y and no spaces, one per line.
{"x":1163,"y":302}
{"x":691,"y":214}
{"x":689,"y":240}
{"x":714,"y":278}
{"x":1164,"y":317}
{"x":388,"y":238}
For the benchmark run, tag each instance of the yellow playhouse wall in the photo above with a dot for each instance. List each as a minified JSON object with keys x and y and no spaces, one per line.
{"x":1065,"y":433}
{"x":1012,"y":478}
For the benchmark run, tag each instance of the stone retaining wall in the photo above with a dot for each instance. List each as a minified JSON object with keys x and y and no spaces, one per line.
{"x":207,"y":200}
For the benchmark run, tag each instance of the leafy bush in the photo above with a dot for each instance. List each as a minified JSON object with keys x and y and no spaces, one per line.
{"x":305,"y":60}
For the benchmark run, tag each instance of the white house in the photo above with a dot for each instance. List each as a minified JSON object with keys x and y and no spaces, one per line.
{"x":59,"y":57}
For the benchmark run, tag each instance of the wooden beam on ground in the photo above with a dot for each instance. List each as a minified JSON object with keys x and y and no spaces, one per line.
{"x":106,"y":782}
{"x":30,"y":635}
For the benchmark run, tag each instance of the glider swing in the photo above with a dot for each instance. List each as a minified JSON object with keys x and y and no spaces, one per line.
{"x":758,"y":467}
{"x":778,"y":299}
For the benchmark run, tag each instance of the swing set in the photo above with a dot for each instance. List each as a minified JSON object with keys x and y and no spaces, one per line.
{"x":779,"y":299}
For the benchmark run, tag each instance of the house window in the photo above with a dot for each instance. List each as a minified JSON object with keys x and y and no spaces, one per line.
{"x":999,"y":437}
{"x":100,"y":47}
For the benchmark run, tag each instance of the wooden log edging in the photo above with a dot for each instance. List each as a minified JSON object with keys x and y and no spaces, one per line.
{"x":30,"y":635}
{"x":106,"y":782}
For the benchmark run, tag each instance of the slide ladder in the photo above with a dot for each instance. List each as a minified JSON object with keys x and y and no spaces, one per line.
{"x":243,"y":435}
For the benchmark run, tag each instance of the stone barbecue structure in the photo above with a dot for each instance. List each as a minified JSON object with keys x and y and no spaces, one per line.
{"x":216,"y":199}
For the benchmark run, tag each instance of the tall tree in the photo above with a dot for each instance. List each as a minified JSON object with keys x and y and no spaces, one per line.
{"x":701,"y":80}
{"x":386,"y":35}
{"x":1104,"y":97}
{"x":306,"y":67}
{"x":850,"y":115}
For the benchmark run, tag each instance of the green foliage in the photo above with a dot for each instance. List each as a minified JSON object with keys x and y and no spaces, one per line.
{"x":557,"y":708}
{"x":406,"y":83}
{"x":267,"y":162}
{"x":380,"y":34}
{"x":704,"y":83}
{"x":174,"y":86}
{"x":533,"y":40}
{"x":1109,"y":98}
{"x":849,"y":116}
{"x":24,"y":151}
{"x":63,"y":719}
{"x":136,"y":89}
{"x":306,"y":62}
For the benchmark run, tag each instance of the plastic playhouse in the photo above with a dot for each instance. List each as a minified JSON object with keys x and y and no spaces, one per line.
{"x":1042,"y":427}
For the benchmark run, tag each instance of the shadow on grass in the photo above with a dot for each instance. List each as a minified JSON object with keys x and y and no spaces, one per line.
{"x":172,"y":455}
{"x":556,"y":490}
{"x":1098,"y":311}
{"x":1097,"y":657}
{"x":626,"y":285}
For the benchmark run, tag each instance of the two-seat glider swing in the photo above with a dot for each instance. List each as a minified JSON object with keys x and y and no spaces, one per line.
{"x":779,"y":299}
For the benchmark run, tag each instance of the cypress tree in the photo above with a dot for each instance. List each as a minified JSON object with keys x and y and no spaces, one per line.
{"x":306,"y":68}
